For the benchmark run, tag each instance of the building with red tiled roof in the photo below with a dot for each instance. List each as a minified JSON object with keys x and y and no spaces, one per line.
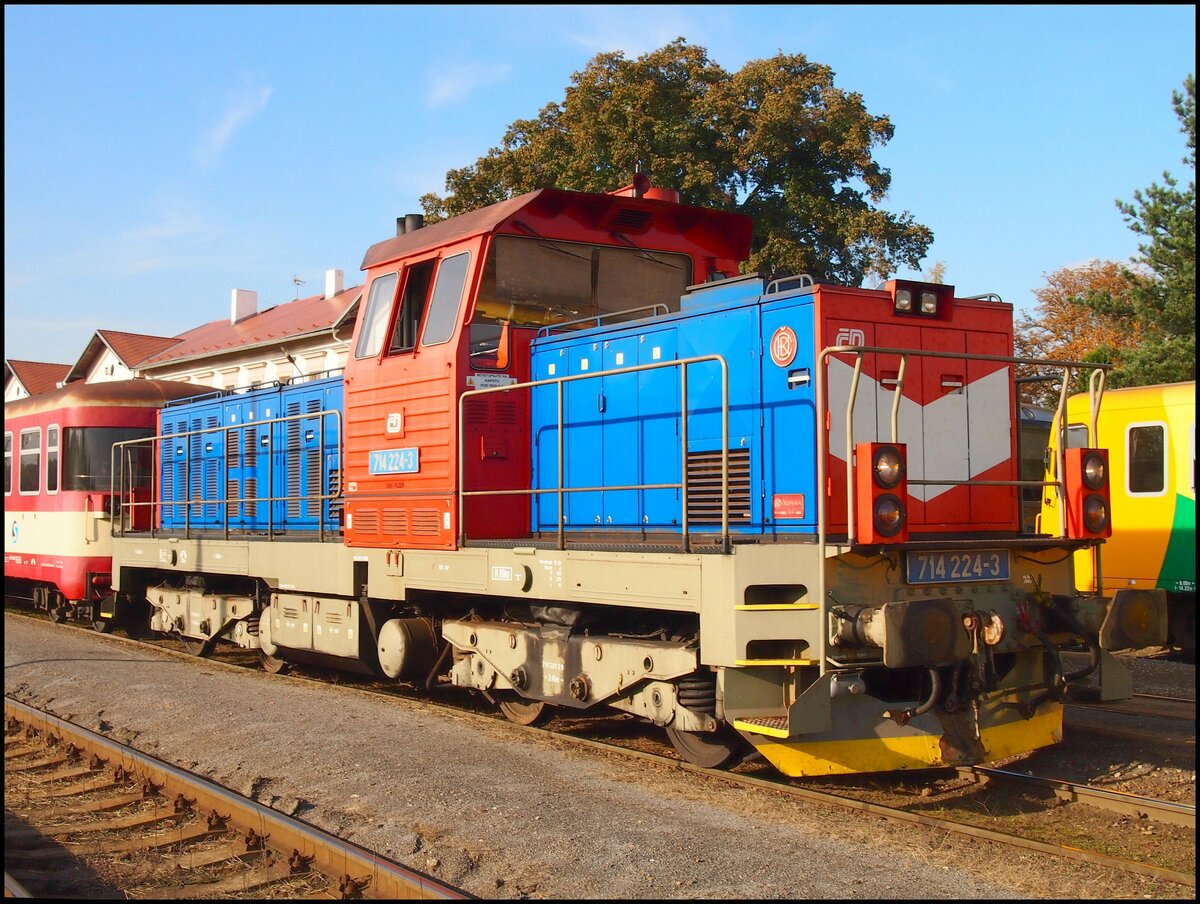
{"x":252,"y":346}
{"x":29,"y":378}
{"x":113,"y":355}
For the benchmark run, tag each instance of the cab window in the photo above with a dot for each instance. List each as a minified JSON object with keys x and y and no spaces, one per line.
{"x":8,"y":464}
{"x":412,"y":307}
{"x":375,"y":318}
{"x":447,"y":299}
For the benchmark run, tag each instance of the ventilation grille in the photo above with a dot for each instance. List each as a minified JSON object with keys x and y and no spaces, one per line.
{"x":293,"y":463}
{"x":477,"y":411}
{"x":395,"y":521}
{"x":367,"y":521}
{"x":631,"y":220}
{"x":704,"y":486}
{"x":426,"y":522}
{"x":335,"y":489}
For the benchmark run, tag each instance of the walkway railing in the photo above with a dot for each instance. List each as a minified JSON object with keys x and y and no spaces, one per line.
{"x":560,"y":491}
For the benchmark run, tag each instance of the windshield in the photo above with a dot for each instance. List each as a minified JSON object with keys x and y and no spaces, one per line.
{"x":540,"y":282}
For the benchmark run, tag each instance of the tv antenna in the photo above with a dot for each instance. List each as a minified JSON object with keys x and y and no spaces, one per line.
{"x":299,"y":282}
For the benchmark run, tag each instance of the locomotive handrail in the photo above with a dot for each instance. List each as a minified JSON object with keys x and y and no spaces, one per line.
{"x":775,"y":286}
{"x":653,"y":308}
{"x":560,"y":490}
{"x":117,"y":479}
{"x":858,"y":351}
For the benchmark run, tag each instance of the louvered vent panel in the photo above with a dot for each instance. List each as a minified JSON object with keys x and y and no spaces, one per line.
{"x":475,"y":412}
{"x":395,"y":522}
{"x":704,"y":486}
{"x":212,"y":478}
{"x":367,"y":521}
{"x":425,"y":522}
{"x":293,"y":462}
{"x":631,"y":220}
{"x":335,"y":504}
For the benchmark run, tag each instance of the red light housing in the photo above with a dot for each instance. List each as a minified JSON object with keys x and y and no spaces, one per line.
{"x":1089,"y":510}
{"x":881,"y":492}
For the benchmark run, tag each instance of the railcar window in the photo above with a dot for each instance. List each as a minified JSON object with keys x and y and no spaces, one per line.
{"x":1146,"y":455}
{"x":52,"y":459}
{"x":8,"y":450}
{"x":408,"y":318}
{"x":535,"y":281}
{"x":375,"y":318}
{"x":87,"y":457}
{"x":446,"y":300}
{"x":29,"y":480}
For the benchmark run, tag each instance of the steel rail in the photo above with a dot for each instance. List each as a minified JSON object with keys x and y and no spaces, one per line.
{"x":1172,"y":812}
{"x":330,"y":855}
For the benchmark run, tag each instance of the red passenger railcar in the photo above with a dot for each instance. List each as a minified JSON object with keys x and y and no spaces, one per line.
{"x":58,"y":484}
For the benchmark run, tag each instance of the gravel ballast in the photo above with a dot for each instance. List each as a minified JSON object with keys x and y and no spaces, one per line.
{"x":497,"y":812}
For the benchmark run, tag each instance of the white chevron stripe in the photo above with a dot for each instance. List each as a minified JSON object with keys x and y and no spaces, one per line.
{"x":947,"y":439}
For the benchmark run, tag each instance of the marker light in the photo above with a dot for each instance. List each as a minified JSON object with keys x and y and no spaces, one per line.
{"x":880,"y":491}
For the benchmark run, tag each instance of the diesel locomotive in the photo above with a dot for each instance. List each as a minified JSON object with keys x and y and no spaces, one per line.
{"x":576,"y":461}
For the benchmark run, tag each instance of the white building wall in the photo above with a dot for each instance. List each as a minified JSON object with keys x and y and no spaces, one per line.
{"x":252,"y":367}
{"x":14,"y":390}
{"x":108,"y":367}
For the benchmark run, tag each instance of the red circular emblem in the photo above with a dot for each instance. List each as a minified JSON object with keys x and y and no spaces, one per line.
{"x":783,"y":346}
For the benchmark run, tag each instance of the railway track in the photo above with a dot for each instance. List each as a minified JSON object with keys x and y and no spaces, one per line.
{"x":844,"y":798}
{"x":86,"y":816}
{"x":1082,"y":713}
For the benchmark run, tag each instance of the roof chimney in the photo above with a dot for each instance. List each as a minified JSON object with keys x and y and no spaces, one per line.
{"x":243,"y":303}
{"x":333,"y":283}
{"x":410,"y":222}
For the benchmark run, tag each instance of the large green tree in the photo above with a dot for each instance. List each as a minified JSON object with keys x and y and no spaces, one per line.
{"x":775,"y":140}
{"x":1162,"y":299}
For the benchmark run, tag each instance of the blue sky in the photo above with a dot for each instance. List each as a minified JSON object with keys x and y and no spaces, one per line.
{"x":156,"y":158}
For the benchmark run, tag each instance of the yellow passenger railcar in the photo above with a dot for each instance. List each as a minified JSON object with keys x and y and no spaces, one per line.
{"x":1150,"y":432}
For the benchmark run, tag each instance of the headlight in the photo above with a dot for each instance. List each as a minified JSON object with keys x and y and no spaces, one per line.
{"x":889,"y":515}
{"x":928,"y":303}
{"x":888,"y":467}
{"x":1094,"y":472}
{"x":904,"y":300}
{"x":1095,"y":513}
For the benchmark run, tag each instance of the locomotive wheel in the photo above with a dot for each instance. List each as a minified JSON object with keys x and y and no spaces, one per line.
{"x":199,"y":648}
{"x":103,"y":625}
{"x":711,"y":751}
{"x":273,"y":664}
{"x":525,"y":712}
{"x":57,"y":614}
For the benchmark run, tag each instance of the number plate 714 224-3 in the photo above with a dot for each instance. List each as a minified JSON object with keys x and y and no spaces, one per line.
{"x":945,"y":567}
